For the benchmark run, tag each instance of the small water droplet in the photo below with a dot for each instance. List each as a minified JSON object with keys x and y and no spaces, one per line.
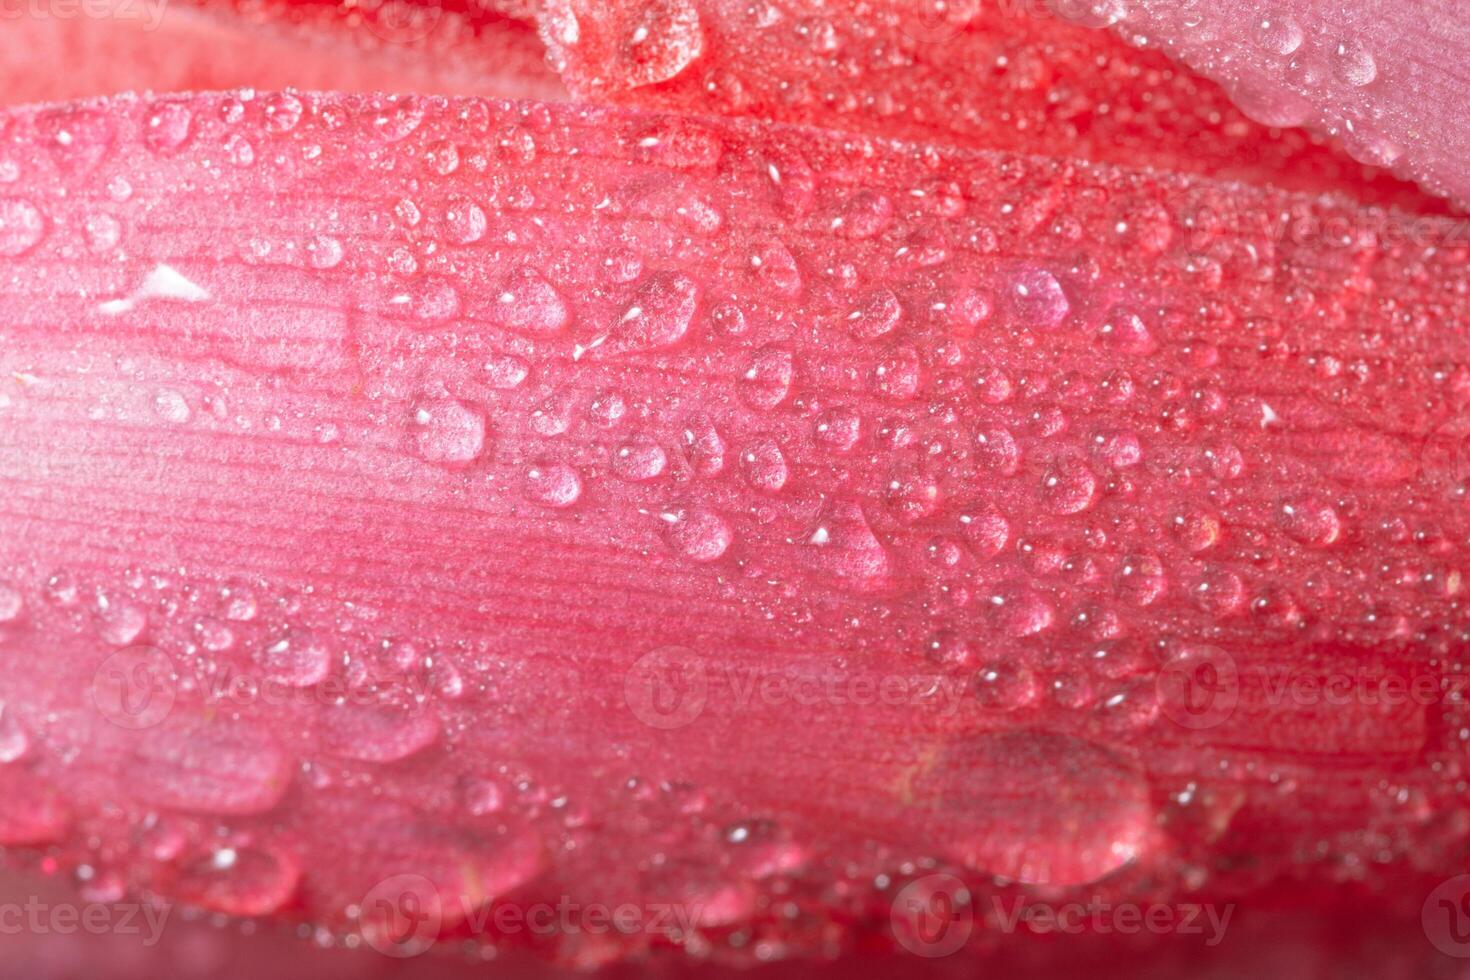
{"x":553,"y":484}
{"x":698,"y":534}
{"x":14,"y":741}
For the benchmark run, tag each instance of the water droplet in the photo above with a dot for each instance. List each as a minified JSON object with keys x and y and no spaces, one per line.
{"x":464,"y":221}
{"x":1141,"y":579}
{"x":665,"y":38}
{"x":767,"y":378}
{"x":208,"y":765}
{"x":282,"y":112}
{"x":528,"y":304}
{"x":638,"y":460}
{"x":1035,"y":807}
{"x":1353,"y":64}
{"x":1037,"y":299}
{"x":1068,"y":487}
{"x":14,"y":742}
{"x":899,"y":376}
{"x":997,"y":450}
{"x":170,"y":406}
{"x":1219,"y":592}
{"x":239,"y":881}
{"x":448,"y":431}
{"x":300,"y":659}
{"x":553,"y":484}
{"x":698,"y":534}
{"x":844,"y":546}
{"x":947,"y":648}
{"x":1279,"y":33}
{"x":1126,"y":331}
{"x":987,"y":530}
{"x":378,"y":732}
{"x":838,"y":429}
{"x":21,"y":227}
{"x":506,"y":371}
{"x":704,"y":447}
{"x":11,"y":604}
{"x":658,"y":317}
{"x":877,"y":314}
{"x":103,"y":232}
{"x":865,"y":215}
{"x":166,"y":127}
{"x":323,"y":252}
{"x":763,"y":464}
{"x":1311,"y":520}
{"x":122,"y":621}
{"x":1018,"y":610}
{"x":1005,"y":686}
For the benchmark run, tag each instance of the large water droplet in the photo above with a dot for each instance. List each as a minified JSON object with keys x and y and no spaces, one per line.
{"x":1035,"y":807}
{"x":242,"y":881}
{"x":528,"y":304}
{"x":764,"y":465}
{"x":658,"y":317}
{"x":21,"y":227}
{"x":1311,"y":520}
{"x":553,"y":484}
{"x":696,"y":533}
{"x":844,"y":546}
{"x":1037,"y":299}
{"x":300,"y":659}
{"x":449,"y":432}
{"x":665,"y":38}
{"x":767,"y":378}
